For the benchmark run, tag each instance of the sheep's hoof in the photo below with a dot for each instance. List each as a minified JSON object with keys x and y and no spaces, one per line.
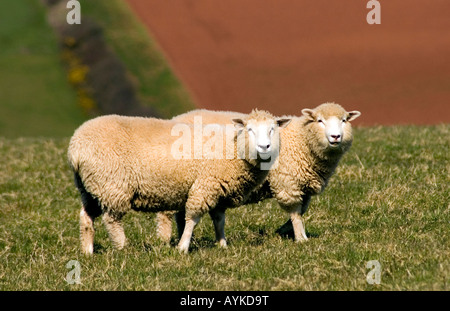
{"x":223,"y":244}
{"x":183,"y":249}
{"x":87,"y":249}
{"x":87,"y":253}
{"x":301,"y":240}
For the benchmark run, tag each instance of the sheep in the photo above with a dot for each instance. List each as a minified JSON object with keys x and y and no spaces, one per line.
{"x":312,"y":146}
{"x":129,"y":163}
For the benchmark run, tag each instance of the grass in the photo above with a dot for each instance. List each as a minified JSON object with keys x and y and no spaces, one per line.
{"x":388,"y":201}
{"x":36,"y":99}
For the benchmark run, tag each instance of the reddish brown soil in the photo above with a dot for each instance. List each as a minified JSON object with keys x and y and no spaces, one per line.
{"x":285,"y":55}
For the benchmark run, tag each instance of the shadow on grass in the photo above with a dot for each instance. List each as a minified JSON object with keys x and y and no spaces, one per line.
{"x":99,"y":249}
{"x":287,"y":231}
{"x":196,"y":243}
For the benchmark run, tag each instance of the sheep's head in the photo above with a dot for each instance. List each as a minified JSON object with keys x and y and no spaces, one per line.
{"x":331,"y":125}
{"x":260,"y":134}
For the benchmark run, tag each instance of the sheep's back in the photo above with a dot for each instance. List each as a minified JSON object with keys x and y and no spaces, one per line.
{"x":123,"y":160}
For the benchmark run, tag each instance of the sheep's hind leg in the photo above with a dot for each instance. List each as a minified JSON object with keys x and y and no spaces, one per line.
{"x":89,"y":211}
{"x":218,"y":217}
{"x":86,"y":232}
{"x":115,"y":230}
{"x":164,"y":225}
{"x":191,"y":222}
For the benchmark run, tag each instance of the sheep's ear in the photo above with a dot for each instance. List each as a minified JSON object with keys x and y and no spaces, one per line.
{"x":238,"y":123}
{"x":352,"y":115}
{"x":282,"y":123}
{"x":309,"y":113}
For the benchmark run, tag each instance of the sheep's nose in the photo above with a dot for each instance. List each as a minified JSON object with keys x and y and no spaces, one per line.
{"x":336,"y":137}
{"x":264,"y":147}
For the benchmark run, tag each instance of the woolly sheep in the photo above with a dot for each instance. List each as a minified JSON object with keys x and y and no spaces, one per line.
{"x":312,"y":146}
{"x":122,"y":163}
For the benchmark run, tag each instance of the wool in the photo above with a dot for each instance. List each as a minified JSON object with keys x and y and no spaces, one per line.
{"x":122,"y":163}
{"x":305,"y":163}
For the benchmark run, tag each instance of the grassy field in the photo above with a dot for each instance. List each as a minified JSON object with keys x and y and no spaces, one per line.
{"x":388,"y":201}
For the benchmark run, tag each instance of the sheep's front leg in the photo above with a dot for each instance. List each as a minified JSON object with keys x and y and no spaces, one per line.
{"x":201,"y":198}
{"x":299,"y":227}
{"x":218,"y":217}
{"x":191,"y":222}
{"x":295,"y":223}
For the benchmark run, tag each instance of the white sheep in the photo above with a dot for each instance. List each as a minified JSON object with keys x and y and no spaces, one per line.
{"x":123,"y":163}
{"x":311,"y":148}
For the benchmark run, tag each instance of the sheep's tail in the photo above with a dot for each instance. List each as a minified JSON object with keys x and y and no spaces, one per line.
{"x":75,"y":165}
{"x":91,"y":204}
{"x":78,"y":182}
{"x":73,"y":156}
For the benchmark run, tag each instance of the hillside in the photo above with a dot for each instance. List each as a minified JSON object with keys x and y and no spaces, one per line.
{"x":388,"y":201}
{"x":35,"y":94}
{"x":36,"y":99}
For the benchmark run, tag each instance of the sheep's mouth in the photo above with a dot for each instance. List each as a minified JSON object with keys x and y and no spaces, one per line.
{"x":334,"y":143}
{"x":265,"y":154}
{"x":264,"y":151}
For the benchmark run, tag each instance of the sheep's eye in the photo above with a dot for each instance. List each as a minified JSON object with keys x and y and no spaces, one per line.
{"x":320,"y":121}
{"x":271,"y":131}
{"x":344,"y":120}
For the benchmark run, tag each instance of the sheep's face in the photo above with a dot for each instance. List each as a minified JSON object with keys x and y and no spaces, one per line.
{"x":331,"y":123}
{"x":261,"y":134}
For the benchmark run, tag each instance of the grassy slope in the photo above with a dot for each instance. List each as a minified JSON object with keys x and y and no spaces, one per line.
{"x":157,"y":85}
{"x":35,"y":98}
{"x":388,"y":201}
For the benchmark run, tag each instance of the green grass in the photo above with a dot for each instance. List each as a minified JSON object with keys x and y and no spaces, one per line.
{"x":35,"y":97}
{"x":388,"y":201}
{"x":157,"y":85}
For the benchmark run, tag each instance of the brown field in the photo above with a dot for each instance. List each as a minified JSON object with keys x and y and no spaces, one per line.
{"x":286,"y":55}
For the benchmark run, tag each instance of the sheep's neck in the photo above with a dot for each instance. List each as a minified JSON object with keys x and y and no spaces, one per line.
{"x":325,"y":165}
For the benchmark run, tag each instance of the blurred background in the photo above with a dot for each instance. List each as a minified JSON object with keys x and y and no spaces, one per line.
{"x":161,"y":58}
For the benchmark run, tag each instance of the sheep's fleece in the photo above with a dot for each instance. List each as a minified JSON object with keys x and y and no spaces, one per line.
{"x":309,"y":154}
